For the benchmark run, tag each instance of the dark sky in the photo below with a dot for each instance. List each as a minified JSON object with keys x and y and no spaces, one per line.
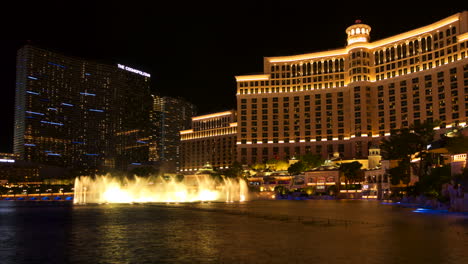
{"x":192,"y":49}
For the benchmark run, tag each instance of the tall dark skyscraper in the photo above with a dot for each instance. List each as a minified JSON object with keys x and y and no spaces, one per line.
{"x":170,"y":116}
{"x":79,"y":113}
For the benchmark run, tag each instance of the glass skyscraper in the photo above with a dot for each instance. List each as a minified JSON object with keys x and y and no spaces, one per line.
{"x":170,"y":115}
{"x":78,"y":113}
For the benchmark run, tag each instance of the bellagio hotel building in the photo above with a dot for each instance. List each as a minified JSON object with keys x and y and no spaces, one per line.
{"x":212,"y":140}
{"x":345,"y":100}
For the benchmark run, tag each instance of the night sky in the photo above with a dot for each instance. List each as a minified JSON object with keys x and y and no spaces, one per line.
{"x":192,"y":49}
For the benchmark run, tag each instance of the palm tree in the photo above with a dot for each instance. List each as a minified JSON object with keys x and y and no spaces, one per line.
{"x":297,"y":168}
{"x":352,"y":172}
{"x":408,"y":143}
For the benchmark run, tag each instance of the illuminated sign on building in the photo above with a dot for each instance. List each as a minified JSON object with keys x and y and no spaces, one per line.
{"x":123,"y":67}
{"x":459,"y":157}
{"x":7,"y":160}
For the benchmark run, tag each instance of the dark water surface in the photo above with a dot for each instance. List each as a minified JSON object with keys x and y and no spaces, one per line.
{"x":251,"y":232}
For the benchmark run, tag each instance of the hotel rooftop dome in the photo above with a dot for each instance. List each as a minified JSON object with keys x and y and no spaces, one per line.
{"x":358,"y":33}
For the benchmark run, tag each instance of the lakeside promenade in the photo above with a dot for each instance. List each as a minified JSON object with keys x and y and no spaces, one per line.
{"x":66,"y":196}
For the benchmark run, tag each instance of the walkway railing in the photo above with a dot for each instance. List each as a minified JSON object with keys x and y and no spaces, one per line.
{"x":37,"y":196}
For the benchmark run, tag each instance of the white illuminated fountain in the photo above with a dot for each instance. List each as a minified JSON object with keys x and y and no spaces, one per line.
{"x":193,"y":188}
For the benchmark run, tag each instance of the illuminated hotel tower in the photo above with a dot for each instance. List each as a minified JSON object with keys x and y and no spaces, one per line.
{"x":78,"y":113}
{"x":212,"y":140}
{"x":344,"y":100}
{"x":169,"y":116}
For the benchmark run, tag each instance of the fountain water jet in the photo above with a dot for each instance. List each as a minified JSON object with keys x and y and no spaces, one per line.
{"x":193,"y":188}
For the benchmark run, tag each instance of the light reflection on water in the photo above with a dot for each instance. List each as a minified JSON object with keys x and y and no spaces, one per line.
{"x":251,"y":232}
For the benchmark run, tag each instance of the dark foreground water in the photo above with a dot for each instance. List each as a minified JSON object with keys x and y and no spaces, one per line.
{"x":251,"y":232}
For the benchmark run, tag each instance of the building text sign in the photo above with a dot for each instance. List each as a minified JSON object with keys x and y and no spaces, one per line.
{"x":123,"y":67}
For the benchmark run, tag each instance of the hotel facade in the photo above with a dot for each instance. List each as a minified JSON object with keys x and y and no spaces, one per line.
{"x":347,"y":99}
{"x":212,"y":140}
{"x":169,"y":116}
{"x":79,"y":114}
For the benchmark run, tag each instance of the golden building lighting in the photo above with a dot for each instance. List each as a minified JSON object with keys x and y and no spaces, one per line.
{"x":212,"y":140}
{"x":344,"y":100}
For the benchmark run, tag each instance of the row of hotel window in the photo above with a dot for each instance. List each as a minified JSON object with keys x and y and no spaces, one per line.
{"x":329,"y":137}
{"x":288,"y":152}
{"x":309,"y":68}
{"x":296,"y":150}
{"x":325,"y":78}
{"x":453,"y":93}
{"x":408,"y":62}
{"x":287,"y":89}
{"x":416,"y":68}
{"x":359,"y":70}
{"x":452,"y":72}
{"x":392,"y":112}
{"x":380,"y":58}
{"x":403,"y":50}
{"x":427,"y":98}
{"x":389,"y":56}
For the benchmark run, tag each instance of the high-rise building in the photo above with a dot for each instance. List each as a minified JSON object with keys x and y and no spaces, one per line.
{"x":344,"y":100}
{"x":212,"y":140}
{"x":14,"y":170}
{"x":78,"y":113}
{"x":170,"y":115}
{"x":133,"y":104}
